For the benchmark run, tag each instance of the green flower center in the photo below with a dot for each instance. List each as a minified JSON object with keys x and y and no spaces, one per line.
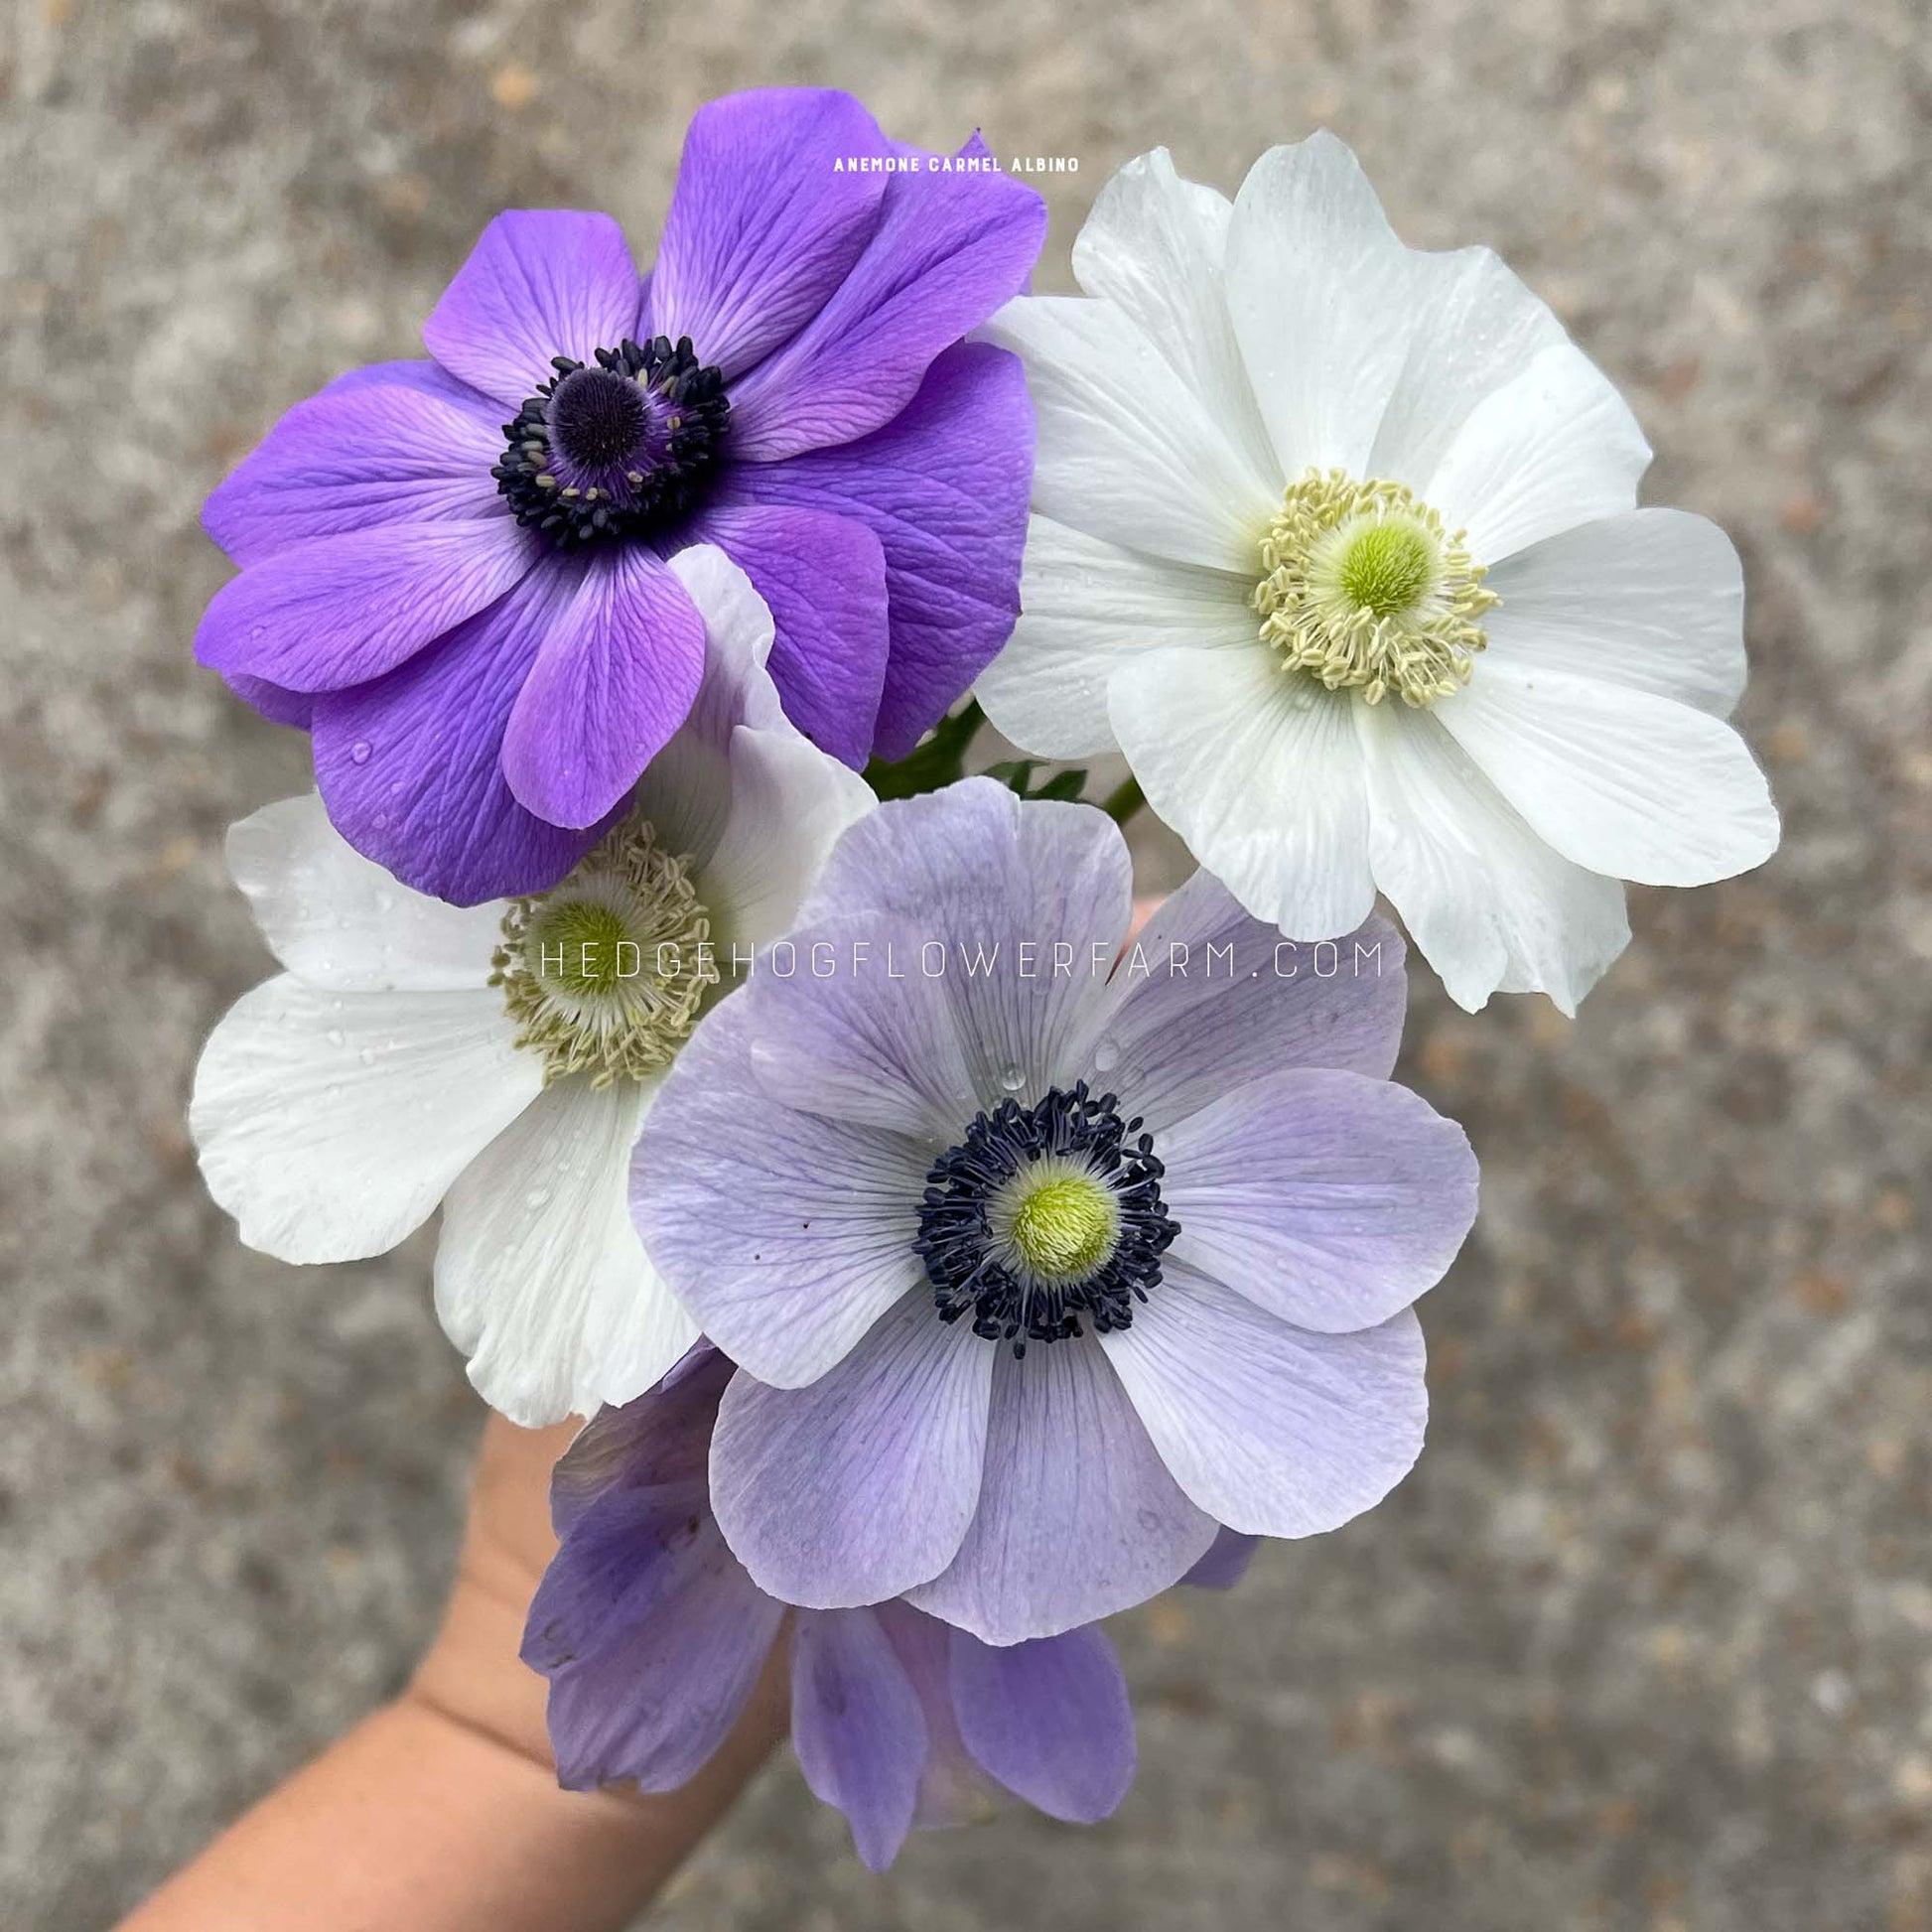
{"x":1063,"y":1224}
{"x":1365,"y":590}
{"x":605,"y":974}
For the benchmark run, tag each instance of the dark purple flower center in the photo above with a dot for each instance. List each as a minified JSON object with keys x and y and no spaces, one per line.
{"x":1004,"y":1221}
{"x":621,"y":446}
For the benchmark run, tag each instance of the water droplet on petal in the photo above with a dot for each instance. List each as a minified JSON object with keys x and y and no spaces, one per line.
{"x":537,"y":1196}
{"x":1012,"y":1079}
{"x":1106,"y":1053}
{"x":379,"y":820}
{"x":359,"y":752}
{"x":335,"y":1035}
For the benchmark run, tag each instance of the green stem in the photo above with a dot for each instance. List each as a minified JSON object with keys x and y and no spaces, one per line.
{"x":1124,"y":800}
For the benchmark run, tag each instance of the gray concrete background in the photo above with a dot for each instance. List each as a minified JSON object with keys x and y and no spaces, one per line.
{"x":1645,"y":1642}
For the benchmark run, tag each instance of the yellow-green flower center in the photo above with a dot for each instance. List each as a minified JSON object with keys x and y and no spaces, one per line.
{"x":605,"y":974}
{"x":1062,"y":1227}
{"x":1365,"y":590}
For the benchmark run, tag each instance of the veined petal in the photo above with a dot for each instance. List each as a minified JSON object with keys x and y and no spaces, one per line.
{"x":330,"y":1124}
{"x":1087,"y":607}
{"x":1272,"y":1430}
{"x":1155,"y":246}
{"x":1626,"y":783}
{"x":1328,"y":1199}
{"x":860,"y":1486}
{"x":1324,"y":300}
{"x":335,"y":920}
{"x":540,"y":1278}
{"x":1260,"y":773}
{"x":1491,"y":906}
{"x":1077,"y":1514}
{"x":1226,"y":1564}
{"x":540,"y":282}
{"x":1553,"y":448}
{"x":1126,"y":450}
{"x":1653,"y":599}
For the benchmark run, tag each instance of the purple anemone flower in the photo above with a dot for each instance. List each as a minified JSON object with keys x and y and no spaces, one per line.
{"x":453,"y":571}
{"x":1037,"y":1272}
{"x":653,"y":1636}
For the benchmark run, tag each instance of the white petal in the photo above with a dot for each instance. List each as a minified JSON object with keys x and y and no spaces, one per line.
{"x":1631,"y":785}
{"x":1555,"y":447}
{"x":1653,"y":599}
{"x":540,"y":1278}
{"x":1153,"y":246}
{"x":1261,"y":773}
{"x":330,"y":1124}
{"x":1324,"y":300}
{"x":1477,"y":326}
{"x":1087,"y":608}
{"x":1125,"y":447}
{"x":1489,"y":905}
{"x":338,"y":921}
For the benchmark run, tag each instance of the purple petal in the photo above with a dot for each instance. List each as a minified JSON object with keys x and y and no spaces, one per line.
{"x":342,"y":610}
{"x":943,"y":486}
{"x":787,"y":1235}
{"x":824,"y":577}
{"x":1077,"y":1514}
{"x":652,"y":1637}
{"x":615,"y":676}
{"x":857,"y":1727}
{"x":1226,"y":1563}
{"x":275,"y":703}
{"x":1051,"y":1720}
{"x":354,"y":457}
{"x":952,"y":1786}
{"x":421,"y":373}
{"x":949,"y":249}
{"x":761,"y":227}
{"x":860,"y":1486}
{"x":411,"y":765}
{"x":539,"y":283}
{"x":1209,"y":998}
{"x":1272,"y":1430}
{"x":1330,"y":1199}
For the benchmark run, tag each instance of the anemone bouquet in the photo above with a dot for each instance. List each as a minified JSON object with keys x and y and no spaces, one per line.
{"x":941,"y":1255}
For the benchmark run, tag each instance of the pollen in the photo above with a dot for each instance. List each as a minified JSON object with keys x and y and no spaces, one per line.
{"x":1364,"y":588}
{"x":1064,"y":1228}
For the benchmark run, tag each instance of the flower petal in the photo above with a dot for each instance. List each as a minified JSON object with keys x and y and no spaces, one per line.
{"x":857,"y":1727}
{"x":411,"y":763}
{"x":619,"y":667}
{"x":1652,"y":600}
{"x":731,"y":1193}
{"x":1051,"y":1720}
{"x":952,"y":1788}
{"x":330,"y":1124}
{"x":1088,"y":608}
{"x":1322,"y":297}
{"x":1126,"y":451}
{"x":1628,"y":784}
{"x":540,"y":1278}
{"x":335,"y":920}
{"x":1330,"y":1199}
{"x":1226,"y":1563}
{"x":1260,"y":773}
{"x":539,"y":283}
{"x":652,"y":1637}
{"x":762,"y":225}
{"x":1077,"y":1514}
{"x":1489,"y":903}
{"x":1155,"y":246}
{"x":950,"y":246}
{"x":341,"y":609}
{"x":1206,"y":999}
{"x":944,"y":488}
{"x":1271,"y":1430}
{"x":860,"y":1486}
{"x":824,"y":577}
{"x":1553,"y":447}
{"x":351,"y":459}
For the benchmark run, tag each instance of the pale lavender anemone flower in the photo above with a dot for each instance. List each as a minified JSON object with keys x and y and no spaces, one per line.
{"x":455,"y":571}
{"x":1035,"y":1280}
{"x":652,"y":1635}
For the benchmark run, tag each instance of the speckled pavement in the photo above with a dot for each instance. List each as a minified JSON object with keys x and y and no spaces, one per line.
{"x":1645,"y":1642}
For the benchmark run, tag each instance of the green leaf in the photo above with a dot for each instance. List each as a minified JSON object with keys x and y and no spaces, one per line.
{"x":1017,"y":774}
{"x":937,"y":762}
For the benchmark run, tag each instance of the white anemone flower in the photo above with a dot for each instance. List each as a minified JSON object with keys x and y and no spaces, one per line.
{"x":499,"y":1059}
{"x":1337,"y":542}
